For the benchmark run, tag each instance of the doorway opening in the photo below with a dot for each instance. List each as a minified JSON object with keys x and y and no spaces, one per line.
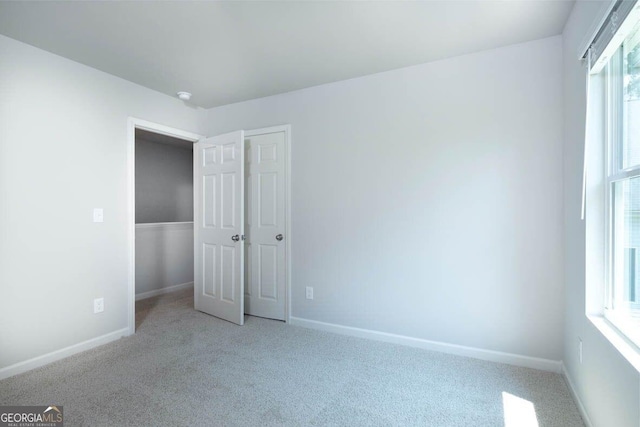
{"x":160,"y":212}
{"x":164,"y":220}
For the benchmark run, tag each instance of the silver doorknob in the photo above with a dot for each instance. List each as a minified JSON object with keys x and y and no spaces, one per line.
{"x":279,"y":237}
{"x":235,"y":238}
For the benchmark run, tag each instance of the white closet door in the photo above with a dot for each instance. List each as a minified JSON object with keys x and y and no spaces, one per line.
{"x":219,"y":226}
{"x":265,"y":225}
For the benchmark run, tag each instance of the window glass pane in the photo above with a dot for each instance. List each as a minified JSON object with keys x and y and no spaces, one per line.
{"x":631,"y":109}
{"x":626,"y":243}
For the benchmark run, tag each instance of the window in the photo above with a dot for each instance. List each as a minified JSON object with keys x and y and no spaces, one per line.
{"x":622,"y":186}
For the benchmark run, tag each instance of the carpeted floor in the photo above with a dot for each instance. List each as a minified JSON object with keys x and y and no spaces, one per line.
{"x":185,"y":368}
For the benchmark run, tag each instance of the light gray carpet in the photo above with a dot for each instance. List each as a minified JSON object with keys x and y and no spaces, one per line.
{"x":186,"y":368}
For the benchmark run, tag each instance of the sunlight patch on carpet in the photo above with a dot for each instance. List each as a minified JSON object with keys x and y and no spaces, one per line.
{"x":518,"y":412}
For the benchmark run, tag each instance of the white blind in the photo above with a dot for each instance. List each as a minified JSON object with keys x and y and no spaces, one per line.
{"x":621,"y":19}
{"x":612,"y":32}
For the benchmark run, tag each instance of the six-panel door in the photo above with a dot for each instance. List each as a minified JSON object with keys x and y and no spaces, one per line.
{"x":219,"y":226}
{"x":265,"y":279}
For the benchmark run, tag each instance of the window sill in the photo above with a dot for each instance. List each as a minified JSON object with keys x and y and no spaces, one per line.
{"x":625,"y":347}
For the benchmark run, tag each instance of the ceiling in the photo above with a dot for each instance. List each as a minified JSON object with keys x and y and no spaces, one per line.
{"x":230,"y":51}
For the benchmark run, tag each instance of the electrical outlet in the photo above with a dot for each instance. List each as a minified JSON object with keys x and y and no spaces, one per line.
{"x":580,"y":349}
{"x":98,"y":305}
{"x":309,"y":292}
{"x":98,"y":215}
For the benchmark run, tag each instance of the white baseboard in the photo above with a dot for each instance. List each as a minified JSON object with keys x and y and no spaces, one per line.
{"x":459,"y":350}
{"x":168,"y":289}
{"x":576,"y":398}
{"x":39,"y":361}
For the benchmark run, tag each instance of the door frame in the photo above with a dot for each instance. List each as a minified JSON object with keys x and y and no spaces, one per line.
{"x":287,"y":207}
{"x":133,"y":124}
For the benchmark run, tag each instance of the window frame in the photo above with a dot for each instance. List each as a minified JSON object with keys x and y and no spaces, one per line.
{"x":625,"y":319}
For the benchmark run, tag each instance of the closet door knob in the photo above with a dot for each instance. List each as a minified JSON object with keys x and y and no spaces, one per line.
{"x":279,"y":237}
{"x":235,"y":238}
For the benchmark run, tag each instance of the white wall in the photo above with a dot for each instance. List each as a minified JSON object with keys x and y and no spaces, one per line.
{"x":63,"y":151}
{"x":426,"y":201}
{"x":164,"y":256}
{"x":606,"y":384}
{"x":164,"y":182}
